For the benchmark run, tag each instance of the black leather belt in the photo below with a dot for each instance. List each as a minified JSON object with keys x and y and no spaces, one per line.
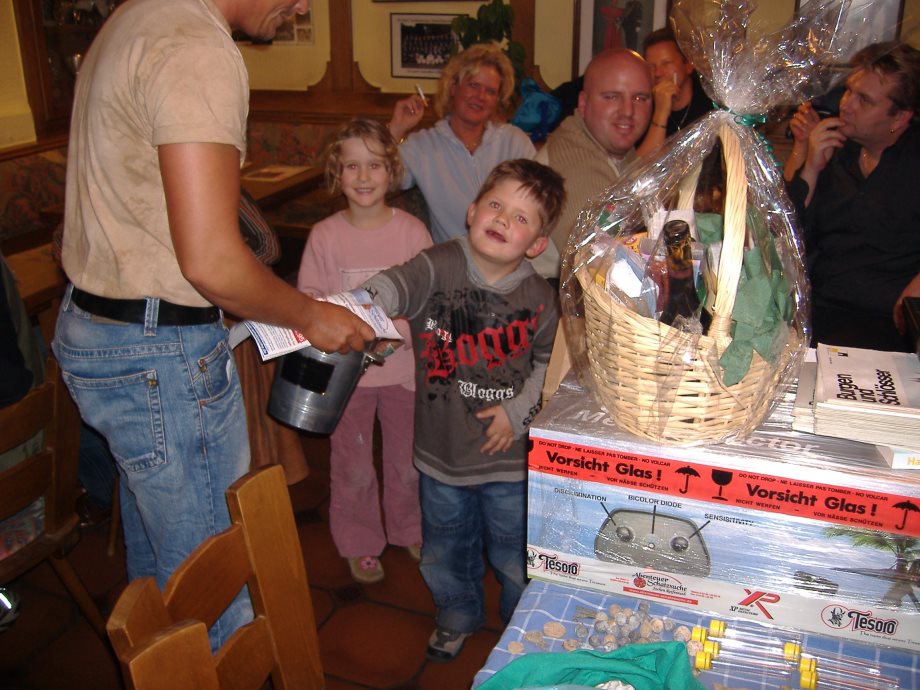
{"x":134,"y":310}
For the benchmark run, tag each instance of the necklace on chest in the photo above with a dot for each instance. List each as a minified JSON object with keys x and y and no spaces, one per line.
{"x":679,"y":124}
{"x":470,"y":138}
{"x":866,"y":163}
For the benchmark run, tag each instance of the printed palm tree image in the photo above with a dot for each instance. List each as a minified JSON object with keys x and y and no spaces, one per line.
{"x":903,"y":573}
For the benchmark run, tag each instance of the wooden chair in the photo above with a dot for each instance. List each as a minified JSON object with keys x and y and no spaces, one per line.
{"x":161,"y":638}
{"x":50,"y":473}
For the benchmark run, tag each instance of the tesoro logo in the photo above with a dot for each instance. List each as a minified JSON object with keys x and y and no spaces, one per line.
{"x":543,"y":561}
{"x":838,"y":617}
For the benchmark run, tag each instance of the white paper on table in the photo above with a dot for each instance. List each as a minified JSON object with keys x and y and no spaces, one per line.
{"x":274,"y":341}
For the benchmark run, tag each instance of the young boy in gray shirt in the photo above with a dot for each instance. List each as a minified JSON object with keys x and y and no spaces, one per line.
{"x":482,"y":324}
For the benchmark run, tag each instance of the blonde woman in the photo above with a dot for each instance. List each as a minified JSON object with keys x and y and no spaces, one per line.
{"x":450,"y":161}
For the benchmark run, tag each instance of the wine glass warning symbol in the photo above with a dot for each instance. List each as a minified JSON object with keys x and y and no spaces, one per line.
{"x":722,"y":478}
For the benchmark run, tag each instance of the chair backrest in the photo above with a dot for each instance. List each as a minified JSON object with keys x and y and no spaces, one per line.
{"x":28,"y":480}
{"x":50,"y":472}
{"x":161,"y":638}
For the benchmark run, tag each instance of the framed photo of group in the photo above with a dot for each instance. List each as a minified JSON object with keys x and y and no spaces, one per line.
{"x":602,"y":24}
{"x":420,"y":44}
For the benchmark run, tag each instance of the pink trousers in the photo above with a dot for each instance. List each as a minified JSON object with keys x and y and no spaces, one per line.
{"x":354,"y":511}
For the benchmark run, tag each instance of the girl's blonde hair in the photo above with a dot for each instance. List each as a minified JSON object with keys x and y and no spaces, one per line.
{"x":469,"y":62}
{"x":372,"y":133}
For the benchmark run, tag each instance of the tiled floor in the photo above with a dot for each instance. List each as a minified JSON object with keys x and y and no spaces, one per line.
{"x":371,"y":636}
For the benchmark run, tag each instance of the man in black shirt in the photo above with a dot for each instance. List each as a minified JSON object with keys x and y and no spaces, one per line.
{"x":678,"y":95}
{"x":856,"y":195}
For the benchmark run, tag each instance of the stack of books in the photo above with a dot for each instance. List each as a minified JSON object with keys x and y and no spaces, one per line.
{"x":863,"y":395}
{"x":803,"y":410}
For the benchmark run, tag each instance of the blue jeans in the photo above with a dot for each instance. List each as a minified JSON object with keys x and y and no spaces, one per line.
{"x":96,"y":470}
{"x":456,"y":522}
{"x":168,"y":401}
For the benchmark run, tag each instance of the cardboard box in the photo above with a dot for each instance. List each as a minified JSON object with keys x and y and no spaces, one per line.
{"x":789,"y":529}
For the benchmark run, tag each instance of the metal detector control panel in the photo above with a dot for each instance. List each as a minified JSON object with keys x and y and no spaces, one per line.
{"x":649,"y":539}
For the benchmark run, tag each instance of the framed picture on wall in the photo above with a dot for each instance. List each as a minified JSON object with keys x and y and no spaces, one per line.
{"x":869,"y":21}
{"x":605,"y":24}
{"x":420,"y":44}
{"x":297,"y":28}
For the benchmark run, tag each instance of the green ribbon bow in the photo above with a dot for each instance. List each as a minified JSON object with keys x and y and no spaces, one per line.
{"x":751,"y":121}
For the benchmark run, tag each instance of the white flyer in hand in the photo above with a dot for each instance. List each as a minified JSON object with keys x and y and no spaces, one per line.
{"x":274,"y":341}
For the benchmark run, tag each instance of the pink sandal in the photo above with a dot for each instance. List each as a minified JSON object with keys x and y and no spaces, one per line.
{"x":366,"y":569}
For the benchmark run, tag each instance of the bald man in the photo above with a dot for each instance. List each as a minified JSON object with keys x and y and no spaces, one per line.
{"x":590,"y":149}
{"x":592,"y":146}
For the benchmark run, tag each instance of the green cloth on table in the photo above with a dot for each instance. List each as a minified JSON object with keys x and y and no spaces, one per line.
{"x":652,"y":666}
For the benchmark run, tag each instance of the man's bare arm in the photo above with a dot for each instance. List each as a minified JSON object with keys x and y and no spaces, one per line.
{"x":201,"y":182}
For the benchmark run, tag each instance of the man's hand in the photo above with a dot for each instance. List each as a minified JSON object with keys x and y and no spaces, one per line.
{"x":663,"y":94}
{"x":912,"y":290}
{"x":823,"y":140}
{"x":499,"y":434}
{"x":407,"y":113}
{"x":804,"y":120}
{"x":801,"y":124}
{"x":663,"y":97}
{"x":332,"y":328}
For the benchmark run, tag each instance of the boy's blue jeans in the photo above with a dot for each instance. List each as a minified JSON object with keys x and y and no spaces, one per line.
{"x":457,"y":521}
{"x":168,"y":401}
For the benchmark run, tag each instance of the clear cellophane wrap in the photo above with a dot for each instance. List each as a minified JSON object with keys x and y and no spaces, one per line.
{"x":686,"y":382}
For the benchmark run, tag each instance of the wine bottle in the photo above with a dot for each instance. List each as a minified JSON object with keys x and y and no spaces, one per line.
{"x":680,"y":298}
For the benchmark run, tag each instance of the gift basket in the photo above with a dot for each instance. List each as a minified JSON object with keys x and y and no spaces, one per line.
{"x":683,"y":286}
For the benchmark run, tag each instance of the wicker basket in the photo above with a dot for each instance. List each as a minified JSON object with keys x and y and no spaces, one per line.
{"x":666,"y":385}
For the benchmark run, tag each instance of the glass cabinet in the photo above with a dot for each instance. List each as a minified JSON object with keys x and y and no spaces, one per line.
{"x":53,"y":37}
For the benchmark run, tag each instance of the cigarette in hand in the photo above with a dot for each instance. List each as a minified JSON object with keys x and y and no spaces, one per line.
{"x":418,"y":90}
{"x":674,"y":77}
